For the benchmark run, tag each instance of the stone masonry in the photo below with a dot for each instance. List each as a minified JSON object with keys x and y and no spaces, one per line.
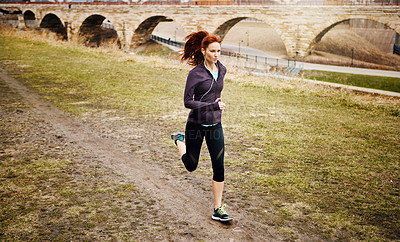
{"x":300,"y":27}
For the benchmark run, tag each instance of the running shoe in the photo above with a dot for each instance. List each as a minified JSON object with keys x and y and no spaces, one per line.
{"x":178,"y":136}
{"x":221,"y":215}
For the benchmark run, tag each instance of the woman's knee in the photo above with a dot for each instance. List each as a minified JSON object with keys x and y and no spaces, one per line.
{"x":190,"y":164}
{"x":218,"y":176}
{"x":218,"y":170}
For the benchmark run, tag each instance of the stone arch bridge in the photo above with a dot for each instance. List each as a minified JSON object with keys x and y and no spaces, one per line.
{"x":300,"y":27}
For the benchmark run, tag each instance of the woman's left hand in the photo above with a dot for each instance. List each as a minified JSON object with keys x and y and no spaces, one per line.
{"x":221,"y":104}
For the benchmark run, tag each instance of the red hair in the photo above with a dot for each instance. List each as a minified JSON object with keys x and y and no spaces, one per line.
{"x":194,"y":43}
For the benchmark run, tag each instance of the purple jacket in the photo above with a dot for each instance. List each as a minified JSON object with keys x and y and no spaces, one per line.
{"x":201,"y":91}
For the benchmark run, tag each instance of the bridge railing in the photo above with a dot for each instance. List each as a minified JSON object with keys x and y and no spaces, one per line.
{"x":253,"y":60}
{"x":167,"y":41}
{"x":219,"y":2}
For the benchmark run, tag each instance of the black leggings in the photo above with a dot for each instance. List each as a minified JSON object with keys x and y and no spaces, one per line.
{"x":194,"y":136}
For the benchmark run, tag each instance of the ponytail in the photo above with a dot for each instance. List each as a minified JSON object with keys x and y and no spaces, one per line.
{"x":194,"y":43}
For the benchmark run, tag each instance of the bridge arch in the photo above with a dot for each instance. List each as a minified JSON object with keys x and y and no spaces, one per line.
{"x":223,"y":30}
{"x":97,"y":30}
{"x":29,"y":15}
{"x":53,"y":23}
{"x":143,"y":32}
{"x":321,"y":33}
{"x":29,"y":19}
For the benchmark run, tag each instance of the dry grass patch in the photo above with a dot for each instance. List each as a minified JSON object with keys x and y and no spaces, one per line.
{"x":341,"y":42}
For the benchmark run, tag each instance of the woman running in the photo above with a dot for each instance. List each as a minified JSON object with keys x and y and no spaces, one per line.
{"x":203,"y":96}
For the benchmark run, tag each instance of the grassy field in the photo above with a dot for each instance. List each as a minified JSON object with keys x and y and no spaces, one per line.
{"x":325,"y":161}
{"x":50,"y":192}
{"x":376,"y":82}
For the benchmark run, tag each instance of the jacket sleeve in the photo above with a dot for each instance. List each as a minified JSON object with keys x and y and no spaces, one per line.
{"x":191,"y":82}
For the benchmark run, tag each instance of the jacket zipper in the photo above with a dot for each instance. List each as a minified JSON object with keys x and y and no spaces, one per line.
{"x":212,"y":82}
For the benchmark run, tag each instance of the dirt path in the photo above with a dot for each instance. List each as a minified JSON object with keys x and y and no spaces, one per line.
{"x":177,"y":198}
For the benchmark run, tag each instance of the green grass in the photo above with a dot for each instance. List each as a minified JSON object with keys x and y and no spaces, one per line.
{"x":376,"y":82}
{"x":313,"y":157}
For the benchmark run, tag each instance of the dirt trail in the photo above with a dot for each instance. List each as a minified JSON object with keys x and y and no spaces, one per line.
{"x":176,"y":197}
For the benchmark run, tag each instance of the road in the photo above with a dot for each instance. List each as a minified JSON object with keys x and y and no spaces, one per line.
{"x":309,"y":66}
{"x":244,"y":50}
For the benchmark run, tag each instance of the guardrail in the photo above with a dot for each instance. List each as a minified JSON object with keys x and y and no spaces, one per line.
{"x":263,"y":60}
{"x":167,"y":41}
{"x":222,"y":2}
